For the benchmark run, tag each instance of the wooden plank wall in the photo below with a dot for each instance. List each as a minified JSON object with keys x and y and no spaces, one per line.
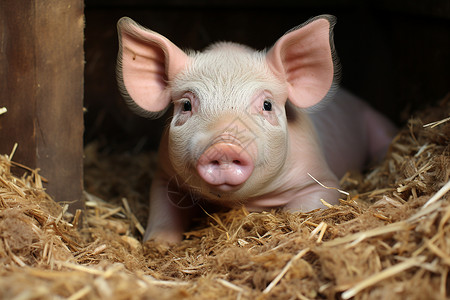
{"x":41,"y":85}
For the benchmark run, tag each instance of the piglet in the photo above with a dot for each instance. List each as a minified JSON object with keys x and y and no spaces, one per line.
{"x":247,"y":127}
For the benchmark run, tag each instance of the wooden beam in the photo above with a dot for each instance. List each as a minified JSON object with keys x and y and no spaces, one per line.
{"x":41,"y":85}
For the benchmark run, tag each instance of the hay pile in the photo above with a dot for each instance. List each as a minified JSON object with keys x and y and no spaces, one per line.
{"x":390,"y":239}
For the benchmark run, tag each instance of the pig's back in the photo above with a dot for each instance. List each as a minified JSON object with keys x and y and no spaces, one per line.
{"x":343,"y":134}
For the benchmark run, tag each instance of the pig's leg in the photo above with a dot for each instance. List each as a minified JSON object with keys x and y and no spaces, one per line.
{"x":165,"y":221}
{"x":380,"y":131}
{"x":309,"y":197}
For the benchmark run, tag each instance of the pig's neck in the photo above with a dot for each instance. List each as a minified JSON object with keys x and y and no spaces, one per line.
{"x":294,"y":188}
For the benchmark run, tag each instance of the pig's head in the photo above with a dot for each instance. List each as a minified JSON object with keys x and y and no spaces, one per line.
{"x":228,"y":137}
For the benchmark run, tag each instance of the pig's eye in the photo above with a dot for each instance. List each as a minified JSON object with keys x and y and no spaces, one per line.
{"x":187,"y":106}
{"x":267,"y":105}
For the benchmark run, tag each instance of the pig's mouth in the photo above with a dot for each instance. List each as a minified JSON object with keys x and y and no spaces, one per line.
{"x":225,"y":166}
{"x":221,"y":190}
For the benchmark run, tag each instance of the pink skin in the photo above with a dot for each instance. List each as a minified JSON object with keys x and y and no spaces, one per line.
{"x":234,"y":139}
{"x":225,"y":165}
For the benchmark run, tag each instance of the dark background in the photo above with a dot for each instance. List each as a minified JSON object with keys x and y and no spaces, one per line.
{"x":394,"y":54}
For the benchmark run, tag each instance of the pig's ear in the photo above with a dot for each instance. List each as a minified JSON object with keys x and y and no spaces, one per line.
{"x":146,"y":63}
{"x":304,"y":57}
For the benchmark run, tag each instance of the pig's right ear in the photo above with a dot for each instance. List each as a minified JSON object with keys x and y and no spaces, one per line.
{"x":304,"y":57}
{"x":146,"y":63}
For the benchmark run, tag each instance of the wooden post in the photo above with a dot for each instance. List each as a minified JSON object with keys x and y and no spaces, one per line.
{"x":41,"y":85}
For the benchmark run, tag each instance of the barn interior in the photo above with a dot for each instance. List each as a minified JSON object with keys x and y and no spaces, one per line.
{"x":388,"y":238}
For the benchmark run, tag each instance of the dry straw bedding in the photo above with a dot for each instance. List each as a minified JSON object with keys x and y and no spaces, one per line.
{"x":389,"y":238}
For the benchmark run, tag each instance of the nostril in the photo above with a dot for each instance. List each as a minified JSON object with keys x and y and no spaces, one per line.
{"x":218,"y":163}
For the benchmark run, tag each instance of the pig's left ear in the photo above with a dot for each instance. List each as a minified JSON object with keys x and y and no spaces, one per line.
{"x":304,"y":58}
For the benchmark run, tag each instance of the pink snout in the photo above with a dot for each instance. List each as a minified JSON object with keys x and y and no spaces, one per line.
{"x":225,"y":165}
